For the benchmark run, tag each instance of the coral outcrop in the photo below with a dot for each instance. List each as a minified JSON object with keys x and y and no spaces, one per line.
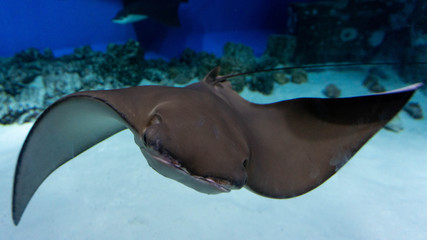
{"x":320,"y":32}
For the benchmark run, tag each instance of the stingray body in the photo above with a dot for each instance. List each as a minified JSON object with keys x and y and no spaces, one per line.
{"x":164,"y":11}
{"x":209,"y":138}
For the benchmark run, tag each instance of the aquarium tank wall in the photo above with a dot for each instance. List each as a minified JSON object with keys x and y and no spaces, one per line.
{"x":317,"y":52}
{"x":65,"y":24}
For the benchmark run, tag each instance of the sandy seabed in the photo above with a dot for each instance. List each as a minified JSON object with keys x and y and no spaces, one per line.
{"x":110,"y":192}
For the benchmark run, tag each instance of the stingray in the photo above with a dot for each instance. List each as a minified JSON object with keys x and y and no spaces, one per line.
{"x":164,"y":11}
{"x":206,"y":136}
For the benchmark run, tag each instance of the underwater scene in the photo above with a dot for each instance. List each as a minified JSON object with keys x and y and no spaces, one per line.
{"x":196,"y":119}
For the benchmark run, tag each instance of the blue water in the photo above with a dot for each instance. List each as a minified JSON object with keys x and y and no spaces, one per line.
{"x":66,"y":24}
{"x":110,"y":192}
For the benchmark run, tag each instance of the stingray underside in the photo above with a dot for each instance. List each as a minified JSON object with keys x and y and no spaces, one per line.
{"x":66,"y":129}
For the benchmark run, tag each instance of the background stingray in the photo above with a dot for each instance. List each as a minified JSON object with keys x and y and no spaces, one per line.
{"x":164,"y":11}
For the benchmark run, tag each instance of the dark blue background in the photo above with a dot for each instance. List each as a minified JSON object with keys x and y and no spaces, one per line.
{"x":206,"y":25}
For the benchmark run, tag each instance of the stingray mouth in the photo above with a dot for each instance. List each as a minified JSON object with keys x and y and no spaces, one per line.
{"x":164,"y":163}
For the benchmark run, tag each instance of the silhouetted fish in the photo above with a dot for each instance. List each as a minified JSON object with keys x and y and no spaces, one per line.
{"x":164,"y":11}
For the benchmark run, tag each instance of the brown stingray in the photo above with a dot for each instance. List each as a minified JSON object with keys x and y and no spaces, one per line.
{"x":209,"y":138}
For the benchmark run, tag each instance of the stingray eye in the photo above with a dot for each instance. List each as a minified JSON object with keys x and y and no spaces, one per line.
{"x":156,"y":119}
{"x":245,"y":163}
{"x":150,"y":133}
{"x":144,"y":138}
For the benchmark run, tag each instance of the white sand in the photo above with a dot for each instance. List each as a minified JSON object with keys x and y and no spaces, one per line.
{"x":109,"y":192}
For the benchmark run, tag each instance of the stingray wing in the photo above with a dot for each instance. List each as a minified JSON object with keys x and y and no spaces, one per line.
{"x":64,"y":130}
{"x":298,"y":144}
{"x":71,"y":126}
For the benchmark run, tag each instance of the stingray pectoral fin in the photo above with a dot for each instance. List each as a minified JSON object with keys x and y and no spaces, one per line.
{"x":67,"y":128}
{"x":298,"y":144}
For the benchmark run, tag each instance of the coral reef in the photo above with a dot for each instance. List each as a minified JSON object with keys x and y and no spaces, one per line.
{"x":331,"y":91}
{"x":343,"y":31}
{"x":320,"y":32}
{"x":414,"y":110}
{"x":299,"y":76}
{"x":417,"y":51}
{"x":281,"y":47}
{"x":238,"y":58}
{"x":203,"y":61}
{"x":280,"y":77}
{"x":395,"y":124}
{"x":32,"y":80}
{"x":261,"y":82}
{"x":373,"y":84}
{"x":337,"y":31}
{"x":123,"y":62}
